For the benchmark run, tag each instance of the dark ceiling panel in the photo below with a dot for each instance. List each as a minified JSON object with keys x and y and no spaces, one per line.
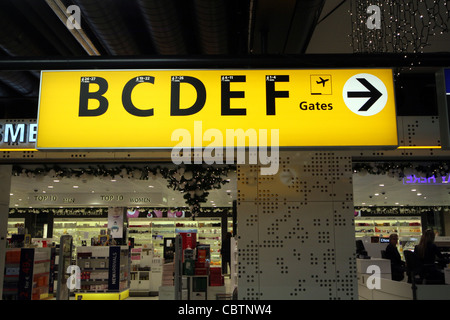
{"x":141,"y":28}
{"x":107,"y":22}
{"x":283,"y":27}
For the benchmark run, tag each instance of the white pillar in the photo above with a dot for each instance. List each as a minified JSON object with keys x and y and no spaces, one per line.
{"x":5,"y":186}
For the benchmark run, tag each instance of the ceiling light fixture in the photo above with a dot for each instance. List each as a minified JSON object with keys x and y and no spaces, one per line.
{"x":419,"y":147}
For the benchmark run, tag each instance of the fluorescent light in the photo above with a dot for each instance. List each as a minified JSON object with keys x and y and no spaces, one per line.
{"x":75,"y":187}
{"x":419,"y":147}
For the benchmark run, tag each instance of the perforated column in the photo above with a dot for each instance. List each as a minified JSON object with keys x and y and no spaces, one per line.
{"x":296,"y":235}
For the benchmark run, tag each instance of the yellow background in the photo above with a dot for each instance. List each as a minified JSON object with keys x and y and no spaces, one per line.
{"x":60,"y":127}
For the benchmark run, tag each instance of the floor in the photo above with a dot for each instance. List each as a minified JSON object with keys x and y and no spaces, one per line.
{"x":227,"y":282}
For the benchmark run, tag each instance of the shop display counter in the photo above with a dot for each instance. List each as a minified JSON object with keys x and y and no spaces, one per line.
{"x":122,"y":295}
{"x":104,"y":273}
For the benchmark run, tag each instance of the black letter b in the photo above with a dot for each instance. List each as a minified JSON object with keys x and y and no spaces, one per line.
{"x":85,"y":95}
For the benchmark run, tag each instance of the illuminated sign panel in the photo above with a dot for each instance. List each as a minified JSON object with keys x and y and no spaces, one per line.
{"x":141,"y":109}
{"x":17,"y":134}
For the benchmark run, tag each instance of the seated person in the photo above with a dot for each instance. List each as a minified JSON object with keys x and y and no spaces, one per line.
{"x":397,"y":264}
{"x":427,"y":252}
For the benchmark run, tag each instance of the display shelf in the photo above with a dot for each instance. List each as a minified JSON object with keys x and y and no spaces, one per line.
{"x":140,"y":274}
{"x":81,"y":229}
{"x":210,"y":233}
{"x":409,"y":230}
{"x":151,"y":232}
{"x":234,"y":264}
{"x":15,"y":226}
{"x":28,"y":274}
{"x":405,"y":227}
{"x":11,"y":275}
{"x":104,"y":270}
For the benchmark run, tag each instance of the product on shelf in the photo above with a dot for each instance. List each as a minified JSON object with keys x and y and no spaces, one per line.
{"x":28,"y":274}
{"x":103,"y":268}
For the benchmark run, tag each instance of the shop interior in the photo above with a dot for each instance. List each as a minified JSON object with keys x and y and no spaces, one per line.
{"x":407,"y":203}
{"x":47,"y":206}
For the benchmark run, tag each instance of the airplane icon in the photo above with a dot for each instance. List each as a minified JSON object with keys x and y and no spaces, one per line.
{"x":322,"y":81}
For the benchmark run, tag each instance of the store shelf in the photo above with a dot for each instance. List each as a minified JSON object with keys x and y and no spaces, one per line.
{"x":28,"y":274}
{"x":409,"y":230}
{"x":81,"y":229}
{"x":151,"y":233}
{"x":15,"y":226}
{"x":384,"y":226}
{"x":103,"y":270}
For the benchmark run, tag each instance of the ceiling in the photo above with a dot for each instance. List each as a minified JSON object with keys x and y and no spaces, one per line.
{"x":383,"y":190}
{"x":91,"y":191}
{"x":368,"y":190}
{"x":143,"y":28}
{"x":170,"y":28}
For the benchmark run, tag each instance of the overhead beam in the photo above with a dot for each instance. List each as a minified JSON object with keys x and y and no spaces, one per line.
{"x":388,"y":60}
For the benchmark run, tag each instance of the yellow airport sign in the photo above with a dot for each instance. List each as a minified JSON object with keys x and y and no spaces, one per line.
{"x":144,"y":109}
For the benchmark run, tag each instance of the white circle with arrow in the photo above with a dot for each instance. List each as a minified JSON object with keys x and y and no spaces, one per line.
{"x":365,"y":94}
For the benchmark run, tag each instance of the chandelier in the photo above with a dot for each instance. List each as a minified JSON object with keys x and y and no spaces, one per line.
{"x":404,"y":26}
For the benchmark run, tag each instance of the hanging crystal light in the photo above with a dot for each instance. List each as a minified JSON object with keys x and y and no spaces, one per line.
{"x":405,"y":26}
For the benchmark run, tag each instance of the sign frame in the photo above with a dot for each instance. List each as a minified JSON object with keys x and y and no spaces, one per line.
{"x":443,"y":102}
{"x":390,"y":146}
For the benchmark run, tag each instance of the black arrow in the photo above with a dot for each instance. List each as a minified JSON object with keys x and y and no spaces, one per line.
{"x":373,"y":94}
